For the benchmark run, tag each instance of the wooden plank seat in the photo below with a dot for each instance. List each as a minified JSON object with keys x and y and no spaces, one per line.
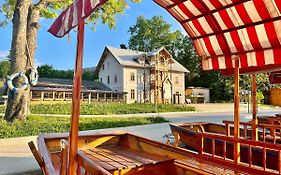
{"x":116,"y":158}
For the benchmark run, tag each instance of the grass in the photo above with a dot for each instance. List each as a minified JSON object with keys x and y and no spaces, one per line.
{"x":106,"y":108}
{"x":35,"y":125}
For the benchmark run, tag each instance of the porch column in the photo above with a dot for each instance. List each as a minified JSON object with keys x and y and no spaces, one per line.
{"x":89,"y":97}
{"x":42,"y":96}
{"x":236,"y":112}
{"x":254,"y":108}
{"x":63,"y":96}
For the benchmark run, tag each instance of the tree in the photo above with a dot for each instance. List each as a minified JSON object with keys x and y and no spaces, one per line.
{"x":45,"y":70}
{"x":4,"y":69}
{"x":25,"y":16}
{"x":149,"y":34}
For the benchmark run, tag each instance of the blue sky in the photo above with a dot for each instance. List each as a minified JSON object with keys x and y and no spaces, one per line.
{"x":60,"y":54}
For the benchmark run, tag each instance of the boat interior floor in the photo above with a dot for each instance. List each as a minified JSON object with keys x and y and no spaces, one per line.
{"x":122,"y":160}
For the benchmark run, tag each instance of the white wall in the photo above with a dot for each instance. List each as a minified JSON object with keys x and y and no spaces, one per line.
{"x":140,"y":84}
{"x":112,"y":68}
{"x":180,"y":86}
{"x":128,"y":84}
{"x":202,"y":92}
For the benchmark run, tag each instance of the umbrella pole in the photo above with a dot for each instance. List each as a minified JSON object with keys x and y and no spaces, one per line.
{"x":254,"y":108}
{"x":236,"y":112}
{"x":76,"y":94}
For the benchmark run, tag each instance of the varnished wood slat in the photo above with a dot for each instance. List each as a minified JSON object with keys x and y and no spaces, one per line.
{"x":145,"y":158}
{"x":120,"y":157}
{"x":98,"y":161}
{"x":90,"y":166}
{"x":114,"y":158}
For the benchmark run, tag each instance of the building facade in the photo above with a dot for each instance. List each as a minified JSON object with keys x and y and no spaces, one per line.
{"x":146,"y":77}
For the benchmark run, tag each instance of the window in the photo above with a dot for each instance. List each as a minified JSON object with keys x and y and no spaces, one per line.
{"x":103,"y":67}
{"x":177,"y":80}
{"x":132,"y":93}
{"x":108,"y":79}
{"x":100,"y":79}
{"x":108,"y":65}
{"x":132,"y":77}
{"x":115,"y":79}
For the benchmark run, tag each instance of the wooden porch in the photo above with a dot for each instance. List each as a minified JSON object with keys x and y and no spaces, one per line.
{"x":60,"y":94}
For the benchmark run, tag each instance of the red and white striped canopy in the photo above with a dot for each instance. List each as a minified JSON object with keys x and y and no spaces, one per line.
{"x":75,"y":13}
{"x":223,"y":30}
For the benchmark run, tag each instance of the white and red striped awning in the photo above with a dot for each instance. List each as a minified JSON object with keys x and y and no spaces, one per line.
{"x":222,"y":30}
{"x":72,"y":15}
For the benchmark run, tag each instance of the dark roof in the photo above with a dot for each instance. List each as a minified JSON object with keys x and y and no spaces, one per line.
{"x":67,"y":83}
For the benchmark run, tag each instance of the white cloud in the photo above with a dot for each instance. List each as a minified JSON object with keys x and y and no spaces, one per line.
{"x":4,"y":54}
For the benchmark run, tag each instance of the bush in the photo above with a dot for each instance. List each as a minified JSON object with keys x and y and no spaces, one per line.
{"x":35,"y":125}
{"x":260,"y":97}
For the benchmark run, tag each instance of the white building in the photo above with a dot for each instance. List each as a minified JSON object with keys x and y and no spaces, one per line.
{"x":198,"y":94}
{"x":152,"y":77}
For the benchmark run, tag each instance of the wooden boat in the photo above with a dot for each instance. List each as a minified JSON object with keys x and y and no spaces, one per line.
{"x":123,"y":153}
{"x":265,"y":132}
{"x":274,"y":120}
{"x":215,"y":140}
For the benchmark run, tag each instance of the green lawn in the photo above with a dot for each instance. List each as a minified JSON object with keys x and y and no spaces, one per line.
{"x":106,"y":108}
{"x":35,"y":125}
{"x":1,"y":83}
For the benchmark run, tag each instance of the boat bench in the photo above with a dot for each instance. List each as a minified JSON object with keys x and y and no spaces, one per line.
{"x":112,"y":158}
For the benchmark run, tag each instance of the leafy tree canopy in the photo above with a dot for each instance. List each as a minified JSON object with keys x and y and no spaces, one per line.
{"x":48,"y":71}
{"x":149,"y":34}
{"x":4,"y":69}
{"x":49,"y":9}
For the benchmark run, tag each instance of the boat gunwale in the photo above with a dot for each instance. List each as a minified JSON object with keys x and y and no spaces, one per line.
{"x":268,"y":145}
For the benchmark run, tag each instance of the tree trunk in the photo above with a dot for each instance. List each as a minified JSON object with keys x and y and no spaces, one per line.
{"x":32,"y":30}
{"x":17,"y":106}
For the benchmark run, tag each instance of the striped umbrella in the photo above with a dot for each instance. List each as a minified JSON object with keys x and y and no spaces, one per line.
{"x":223,"y":30}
